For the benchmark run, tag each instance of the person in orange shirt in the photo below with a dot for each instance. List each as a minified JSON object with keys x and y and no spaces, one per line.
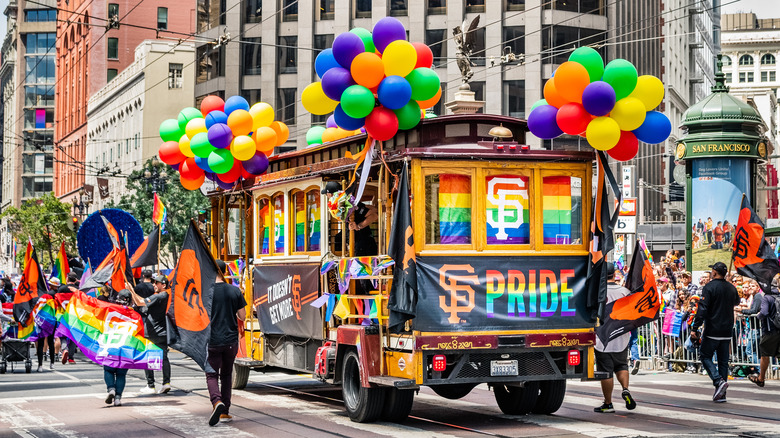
{"x":718,"y":232}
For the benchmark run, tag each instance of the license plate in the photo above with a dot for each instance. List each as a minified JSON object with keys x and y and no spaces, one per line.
{"x":503,"y":367}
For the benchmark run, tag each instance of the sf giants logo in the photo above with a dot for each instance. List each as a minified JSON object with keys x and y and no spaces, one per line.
{"x":117,"y":330}
{"x":461,"y":299}
{"x":295,"y":288}
{"x":506,"y":218}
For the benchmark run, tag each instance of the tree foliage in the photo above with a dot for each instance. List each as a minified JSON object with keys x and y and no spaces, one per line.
{"x":181,"y":204}
{"x":47,"y":222}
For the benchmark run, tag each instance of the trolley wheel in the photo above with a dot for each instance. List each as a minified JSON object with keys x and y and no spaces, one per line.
{"x":240,"y":376}
{"x":398,"y":404}
{"x":551,"y":394}
{"x":453,"y":392}
{"x":3,"y":368}
{"x":28,"y":367}
{"x":515,"y":400}
{"x":364,"y":405}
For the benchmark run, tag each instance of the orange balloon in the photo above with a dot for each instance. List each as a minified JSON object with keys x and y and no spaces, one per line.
{"x":367,"y":69}
{"x":240,"y":122}
{"x":330,"y":134}
{"x":192,"y":184}
{"x":425,"y":104}
{"x":282,"y":132}
{"x":551,"y":95}
{"x":571,"y":78}
{"x":265,"y":139}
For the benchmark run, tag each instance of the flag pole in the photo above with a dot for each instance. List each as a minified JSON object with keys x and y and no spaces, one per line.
{"x":159,"y":243}
{"x":731,"y":261}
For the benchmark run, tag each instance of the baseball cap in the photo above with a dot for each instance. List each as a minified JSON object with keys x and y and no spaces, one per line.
{"x":123,"y":296}
{"x":331,"y":187}
{"x":222,"y":267}
{"x":720,"y":268}
{"x":159,"y":278}
{"x":610,"y":269}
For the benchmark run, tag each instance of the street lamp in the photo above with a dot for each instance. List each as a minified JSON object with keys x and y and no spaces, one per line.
{"x":155,"y":178}
{"x":81,"y":204}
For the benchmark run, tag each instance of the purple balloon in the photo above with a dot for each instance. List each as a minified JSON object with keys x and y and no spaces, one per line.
{"x":331,"y":123}
{"x":386,"y":31}
{"x":335,"y":81}
{"x":346,"y":122}
{"x":223,"y":185}
{"x":211,"y":176}
{"x":220,"y":135}
{"x":256,"y":165}
{"x":215,"y":117}
{"x":541,"y":122}
{"x":346,"y":47}
{"x":598,"y":98}
{"x":324,"y":62}
{"x":175,"y":166}
{"x":203,"y":163}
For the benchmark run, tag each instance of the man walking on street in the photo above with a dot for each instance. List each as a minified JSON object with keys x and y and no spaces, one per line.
{"x":716,"y":314}
{"x":613,"y":358}
{"x":155,"y":329}
{"x":227,"y":311}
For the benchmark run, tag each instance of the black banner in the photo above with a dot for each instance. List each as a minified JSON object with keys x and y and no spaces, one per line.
{"x":282,"y":295}
{"x":501,"y":293}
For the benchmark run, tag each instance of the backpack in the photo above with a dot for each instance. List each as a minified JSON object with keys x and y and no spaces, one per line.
{"x":774,"y":316}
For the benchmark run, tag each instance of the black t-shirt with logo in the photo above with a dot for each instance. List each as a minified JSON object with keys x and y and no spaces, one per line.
{"x":155,"y":323}
{"x":227,"y":300}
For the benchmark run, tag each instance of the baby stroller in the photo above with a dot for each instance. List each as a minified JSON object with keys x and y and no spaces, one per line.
{"x":13,"y":350}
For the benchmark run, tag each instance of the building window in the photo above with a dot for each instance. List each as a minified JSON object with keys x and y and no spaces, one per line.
{"x":768,"y":59}
{"x":113,"y":10}
{"x":515,"y":5}
{"x":137,"y":140}
{"x":251,"y":96}
{"x":253,"y":11}
{"x":514,"y":41}
{"x":36,"y":186}
{"x":437,"y":7}
{"x":211,"y":63}
{"x":478,"y":54}
{"x":591,"y":6}
{"x":288,"y":54}
{"x":768,"y":76}
{"x":289,"y":10}
{"x":584,"y":6}
{"x":40,"y":15}
{"x":514,"y":99}
{"x":211,"y":13}
{"x":742,"y":77}
{"x":362,"y":8}
{"x":729,"y":78}
{"x":479,"y":92}
{"x":745,"y":60}
{"x":475,"y":6}
{"x":162,"y":18}
{"x":438,"y":109}
{"x":39,"y":43}
{"x":436,"y":39}
{"x":175,"y":77}
{"x":726,"y":60}
{"x":127,"y":146}
{"x":327,"y":9}
{"x":750,"y":76}
{"x":398,"y":8}
{"x":285,"y":105}
{"x":565,"y":36}
{"x":39,"y":95}
{"x":111,"y":74}
{"x":113,"y":48}
{"x":251,"y":56}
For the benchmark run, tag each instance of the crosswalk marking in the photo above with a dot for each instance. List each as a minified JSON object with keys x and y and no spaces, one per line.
{"x":176,"y":418}
{"x":21,"y":417}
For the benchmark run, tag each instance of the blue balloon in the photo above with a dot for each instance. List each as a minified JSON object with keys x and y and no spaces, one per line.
{"x":215,"y":117}
{"x":346,"y":47}
{"x":203,"y":163}
{"x":234,"y":103}
{"x":346,"y":122}
{"x":335,"y":81}
{"x":324,"y":62}
{"x":394,"y":92}
{"x":598,"y":99}
{"x":655,"y":129}
{"x":541,"y":122}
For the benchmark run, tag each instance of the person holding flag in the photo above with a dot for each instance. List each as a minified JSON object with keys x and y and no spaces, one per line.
{"x":153,"y":309}
{"x":62,"y":297}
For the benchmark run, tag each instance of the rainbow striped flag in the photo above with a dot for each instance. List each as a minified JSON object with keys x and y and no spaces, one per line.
{"x":556,"y":209}
{"x":278,"y":226}
{"x":454,"y":209}
{"x":159,"y":212}
{"x":507,"y":210}
{"x":265,"y":215}
{"x":61,"y":267}
{"x":108,"y":334}
{"x":646,"y":251}
{"x":300,"y":223}
{"x":313,"y":201}
{"x":45,"y":316}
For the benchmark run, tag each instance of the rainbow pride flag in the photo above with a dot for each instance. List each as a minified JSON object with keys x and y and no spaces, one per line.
{"x":454,"y":209}
{"x":159,"y":212}
{"x":556,"y":209}
{"x":265,"y":215}
{"x":45,"y":316}
{"x":313,"y":201}
{"x":61,"y":267}
{"x":278,"y":226}
{"x":507,"y":210}
{"x":108,"y":334}
{"x":300,"y":222}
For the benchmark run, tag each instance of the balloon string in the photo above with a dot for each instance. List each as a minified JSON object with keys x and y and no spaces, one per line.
{"x":387,"y":168}
{"x":361,"y":156}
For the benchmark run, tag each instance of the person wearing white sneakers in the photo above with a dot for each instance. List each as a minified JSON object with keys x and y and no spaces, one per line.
{"x":153,"y":309}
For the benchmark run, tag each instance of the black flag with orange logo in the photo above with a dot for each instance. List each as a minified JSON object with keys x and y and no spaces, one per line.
{"x":146,"y":254}
{"x":30,"y":285}
{"x":189,"y":305}
{"x":637,"y":309}
{"x":753,"y":257}
{"x":113,"y":270}
{"x":402,"y":303}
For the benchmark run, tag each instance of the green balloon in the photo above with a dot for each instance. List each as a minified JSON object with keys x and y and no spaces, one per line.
{"x":591,"y":60}
{"x":408,"y":115}
{"x":622,"y":75}
{"x":170,"y":131}
{"x":221,"y":160}
{"x":430,"y":116}
{"x":425,"y":83}
{"x":538,"y":103}
{"x":365,"y":35}
{"x":200,"y":146}
{"x":314,"y":135}
{"x":188,"y":114}
{"x":357,"y":101}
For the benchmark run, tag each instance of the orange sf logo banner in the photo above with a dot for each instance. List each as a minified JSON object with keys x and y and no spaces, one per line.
{"x":747,"y":240}
{"x":188,"y":306}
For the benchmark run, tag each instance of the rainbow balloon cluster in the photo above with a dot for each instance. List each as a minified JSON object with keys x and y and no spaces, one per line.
{"x":374,"y":80}
{"x":225,"y":141}
{"x":609,"y":105}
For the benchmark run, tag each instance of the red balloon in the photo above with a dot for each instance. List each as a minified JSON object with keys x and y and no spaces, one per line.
{"x":212,"y":103}
{"x":572,"y":118}
{"x":382,"y":124}
{"x":233,"y":174}
{"x":189,"y":170}
{"x":424,"y":55}
{"x":626,"y":148}
{"x":170,"y":153}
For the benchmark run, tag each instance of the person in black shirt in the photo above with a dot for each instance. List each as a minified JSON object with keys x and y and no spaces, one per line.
{"x":227,"y":310}
{"x":144,"y":288}
{"x":716,"y":313}
{"x":7,"y":294}
{"x":153,"y":309}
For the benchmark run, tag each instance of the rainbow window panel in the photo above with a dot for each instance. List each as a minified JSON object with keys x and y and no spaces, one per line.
{"x":507,"y":210}
{"x":313,"y":214}
{"x":278,"y":212}
{"x":264,"y":214}
{"x":454,"y":209}
{"x":300,"y":222}
{"x":561,"y":210}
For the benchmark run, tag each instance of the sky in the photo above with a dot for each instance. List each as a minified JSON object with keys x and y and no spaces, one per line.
{"x":3,"y":20}
{"x":762,"y":8}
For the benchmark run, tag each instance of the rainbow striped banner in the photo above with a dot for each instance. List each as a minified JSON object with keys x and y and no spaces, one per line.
{"x":61,"y":267}
{"x":507,"y":210}
{"x":300,"y":223}
{"x":45,"y":316}
{"x":556,"y":209}
{"x":454,"y":209}
{"x":108,"y":334}
{"x":265,"y":215}
{"x":278,"y":226}
{"x":313,"y":201}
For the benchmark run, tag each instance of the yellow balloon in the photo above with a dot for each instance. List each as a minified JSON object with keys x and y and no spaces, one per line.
{"x":195,"y":126}
{"x":399,"y":58}
{"x":629,"y":113}
{"x":243,"y":148}
{"x":603,"y":133}
{"x":650,"y":90}
{"x":184,"y":146}
{"x":262,"y":115}
{"x":315,"y":101}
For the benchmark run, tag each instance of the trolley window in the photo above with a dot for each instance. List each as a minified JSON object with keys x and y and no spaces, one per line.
{"x":277,"y":201}
{"x":562,"y":209}
{"x":306,"y":217}
{"x":507,"y":209}
{"x":264,"y":224}
{"x":448,"y":206}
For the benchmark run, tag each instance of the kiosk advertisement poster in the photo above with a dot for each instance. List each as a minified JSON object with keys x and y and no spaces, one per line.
{"x":717,"y":188}
{"x":282,"y":295}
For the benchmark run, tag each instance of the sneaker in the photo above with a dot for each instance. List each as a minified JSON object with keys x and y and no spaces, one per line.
{"x":65,"y":357}
{"x":51,"y":366}
{"x":118,"y":401}
{"x":165,"y":388}
{"x":110,"y":396}
{"x":40,"y":369}
{"x":720,"y":391}
{"x":71,"y":361}
{"x":605,"y":409}
{"x":225,"y":418}
{"x":630,"y":402}
{"x":635,"y":367}
{"x":148,"y":390}
{"x":216,"y":413}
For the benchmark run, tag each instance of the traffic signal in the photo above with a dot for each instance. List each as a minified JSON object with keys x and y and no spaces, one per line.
{"x":75,"y":224}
